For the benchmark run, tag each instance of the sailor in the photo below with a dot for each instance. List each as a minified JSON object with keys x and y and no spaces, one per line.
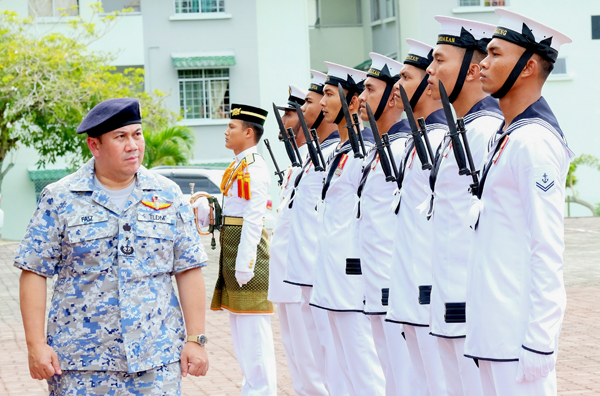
{"x":302,"y":250}
{"x":411,"y":273}
{"x":515,"y":289}
{"x":243,"y":279}
{"x":461,"y":45}
{"x":377,"y":223}
{"x":305,"y":376}
{"x":338,"y":284}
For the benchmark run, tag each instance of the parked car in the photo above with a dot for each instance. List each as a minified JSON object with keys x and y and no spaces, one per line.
{"x":207,"y":179}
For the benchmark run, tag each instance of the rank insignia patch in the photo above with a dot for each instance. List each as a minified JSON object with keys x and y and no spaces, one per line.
{"x":544,"y":179}
{"x":156,"y":204}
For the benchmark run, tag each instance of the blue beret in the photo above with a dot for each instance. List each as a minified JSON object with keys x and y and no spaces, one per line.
{"x":110,"y":115}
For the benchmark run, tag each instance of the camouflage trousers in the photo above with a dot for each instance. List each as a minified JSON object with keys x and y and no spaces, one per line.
{"x":164,"y":380}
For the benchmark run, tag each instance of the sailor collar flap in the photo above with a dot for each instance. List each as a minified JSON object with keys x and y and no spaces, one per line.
{"x":436,"y":120}
{"x":487,"y":106}
{"x":399,"y":130}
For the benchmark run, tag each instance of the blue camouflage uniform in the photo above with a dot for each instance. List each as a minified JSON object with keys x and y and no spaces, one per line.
{"x":113,"y":307}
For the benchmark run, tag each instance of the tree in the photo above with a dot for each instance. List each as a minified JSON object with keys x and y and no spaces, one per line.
{"x":168,"y":146}
{"x":49,"y":82}
{"x":583,"y":159}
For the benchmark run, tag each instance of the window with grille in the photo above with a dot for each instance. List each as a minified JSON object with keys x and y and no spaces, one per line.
{"x":118,"y":5}
{"x":53,"y":8}
{"x":560,"y":67}
{"x":481,"y":3}
{"x":382,"y":9}
{"x":199,"y":6}
{"x":204,"y":93}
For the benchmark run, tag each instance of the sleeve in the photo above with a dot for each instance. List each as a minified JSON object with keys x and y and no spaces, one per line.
{"x":541,"y":175}
{"x":253,"y":214}
{"x":188,"y":251}
{"x":40,"y":248}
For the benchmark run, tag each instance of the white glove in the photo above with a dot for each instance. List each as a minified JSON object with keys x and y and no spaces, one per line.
{"x":243,"y":277}
{"x":533,"y":366}
{"x":203,"y":211}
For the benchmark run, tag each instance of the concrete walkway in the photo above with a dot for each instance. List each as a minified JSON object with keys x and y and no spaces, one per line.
{"x":578,"y":365}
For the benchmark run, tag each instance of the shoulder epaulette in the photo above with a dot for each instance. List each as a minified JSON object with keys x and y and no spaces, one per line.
{"x":250,"y":158}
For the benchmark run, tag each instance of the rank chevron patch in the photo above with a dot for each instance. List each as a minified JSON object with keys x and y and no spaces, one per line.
{"x":544,"y":179}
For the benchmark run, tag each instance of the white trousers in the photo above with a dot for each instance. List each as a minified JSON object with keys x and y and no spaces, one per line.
{"x":499,"y":379}
{"x":316,"y":322}
{"x":425,"y":356}
{"x":254,"y":350}
{"x":355,"y":349}
{"x":306,"y":378}
{"x":461,"y":373}
{"x":393,"y":356}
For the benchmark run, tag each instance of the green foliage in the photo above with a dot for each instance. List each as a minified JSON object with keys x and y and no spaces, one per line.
{"x":168,"y":146}
{"x":50,"y":81}
{"x":583,"y":159}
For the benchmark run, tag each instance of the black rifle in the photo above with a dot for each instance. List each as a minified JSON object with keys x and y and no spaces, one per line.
{"x":379,"y":146}
{"x":473,"y":171}
{"x":388,"y":146}
{"x":277,"y":171}
{"x":416,"y":134}
{"x":351,"y":134}
{"x":283,"y":136}
{"x":457,"y":146}
{"x":315,"y":137}
{"x":312,"y":152}
{"x":359,"y":133}
{"x":292,"y":138}
{"x":423,"y":128}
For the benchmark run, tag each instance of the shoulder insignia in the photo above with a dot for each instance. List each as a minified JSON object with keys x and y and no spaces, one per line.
{"x":250,"y":158}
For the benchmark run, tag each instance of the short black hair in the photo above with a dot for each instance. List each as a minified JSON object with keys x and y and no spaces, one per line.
{"x":478,"y":56}
{"x":257,"y":128}
{"x":546,"y":67}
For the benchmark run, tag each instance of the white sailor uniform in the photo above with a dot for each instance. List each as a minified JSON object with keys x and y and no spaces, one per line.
{"x":338,"y":286}
{"x":376,"y":238}
{"x":452,"y":244}
{"x":411,"y":274}
{"x":515,"y":290}
{"x":301,"y":261}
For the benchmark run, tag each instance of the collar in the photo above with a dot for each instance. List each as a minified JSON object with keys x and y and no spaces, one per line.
{"x":243,"y":154}
{"x":486,"y":104}
{"x":437,"y":117}
{"x":83,"y":179}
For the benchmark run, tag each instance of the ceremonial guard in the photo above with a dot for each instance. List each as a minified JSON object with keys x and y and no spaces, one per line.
{"x":303,"y":242}
{"x":243,"y":281}
{"x":113,"y":234}
{"x":305,"y":375}
{"x":461,"y":45}
{"x":411,"y":273}
{"x":338,"y":285}
{"x":376,"y":221}
{"x":515,"y":291}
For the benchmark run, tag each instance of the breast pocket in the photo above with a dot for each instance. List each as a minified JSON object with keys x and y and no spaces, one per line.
{"x":92,"y":238}
{"x":154,"y":241}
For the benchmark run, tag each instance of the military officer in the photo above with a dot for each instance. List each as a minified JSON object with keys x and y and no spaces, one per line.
{"x":113,"y":233}
{"x":301,"y":259}
{"x":306,"y":378}
{"x":338,"y":284}
{"x":461,"y":45}
{"x":515,"y":290}
{"x":243,"y":281}
{"x":375,"y":220}
{"x":411,"y":274}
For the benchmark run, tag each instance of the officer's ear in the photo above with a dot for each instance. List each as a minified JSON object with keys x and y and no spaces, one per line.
{"x":94,"y":145}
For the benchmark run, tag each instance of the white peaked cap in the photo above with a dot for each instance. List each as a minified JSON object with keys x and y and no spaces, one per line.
{"x":340,"y":72}
{"x":453,"y":27}
{"x":297,"y":92}
{"x":419,"y":54}
{"x":318,"y":77}
{"x":378,"y":62}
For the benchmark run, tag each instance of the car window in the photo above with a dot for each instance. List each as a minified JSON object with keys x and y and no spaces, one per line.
{"x":201,"y":183}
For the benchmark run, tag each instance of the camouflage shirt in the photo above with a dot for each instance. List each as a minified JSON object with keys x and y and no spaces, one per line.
{"x":113,"y":307}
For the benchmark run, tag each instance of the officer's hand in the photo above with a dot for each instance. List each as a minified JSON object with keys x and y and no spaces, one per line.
{"x":194,"y":359}
{"x":243,"y":277}
{"x":43,"y":362}
{"x":533,"y":366}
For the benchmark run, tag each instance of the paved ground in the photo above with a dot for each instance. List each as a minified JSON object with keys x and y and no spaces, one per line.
{"x":578,"y":364}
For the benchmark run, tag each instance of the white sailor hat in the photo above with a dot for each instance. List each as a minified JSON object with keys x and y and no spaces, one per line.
{"x":419,"y":55}
{"x":296,"y":95}
{"x":527,"y":33}
{"x":318,"y":80}
{"x":351,"y":79}
{"x":384,"y":68}
{"x":464,"y":33}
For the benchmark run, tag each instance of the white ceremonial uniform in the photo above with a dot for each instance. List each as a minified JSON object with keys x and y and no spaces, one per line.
{"x":376,"y":240}
{"x":301,"y":262}
{"x":411,"y":275}
{"x":338,"y":285}
{"x":304,"y":372}
{"x":515,"y":290}
{"x":451,"y":246}
{"x":251,"y":333}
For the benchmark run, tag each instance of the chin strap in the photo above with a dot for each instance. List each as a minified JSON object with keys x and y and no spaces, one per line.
{"x":420,"y":89}
{"x":384,"y":99}
{"x":340,"y":115}
{"x":514,"y":74}
{"x":462,"y":74}
{"x":318,"y":121}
